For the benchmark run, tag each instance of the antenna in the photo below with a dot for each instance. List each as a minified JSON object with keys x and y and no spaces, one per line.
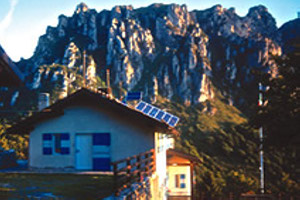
{"x":107,"y":78}
{"x":84,"y":67}
{"x":261,"y":140}
{"x":108,"y":81}
{"x":120,"y":90}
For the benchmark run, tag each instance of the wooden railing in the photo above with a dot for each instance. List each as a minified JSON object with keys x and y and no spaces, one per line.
{"x":133,"y":170}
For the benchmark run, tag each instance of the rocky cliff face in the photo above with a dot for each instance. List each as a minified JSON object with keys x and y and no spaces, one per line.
{"x":290,"y":36}
{"x":239,"y":45}
{"x":163,"y":49}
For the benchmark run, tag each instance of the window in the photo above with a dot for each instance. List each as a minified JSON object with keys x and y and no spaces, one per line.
{"x":56,"y":144}
{"x":180,"y":181}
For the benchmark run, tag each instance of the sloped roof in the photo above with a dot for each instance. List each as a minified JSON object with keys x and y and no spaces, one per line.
{"x":171,"y":153}
{"x":98,"y":98}
{"x":10,"y":75}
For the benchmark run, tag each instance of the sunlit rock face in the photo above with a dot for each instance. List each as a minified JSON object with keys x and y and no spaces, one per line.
{"x":72,"y":55}
{"x":239,"y":45}
{"x":91,"y":72}
{"x":128,"y":44}
{"x":163,"y":50}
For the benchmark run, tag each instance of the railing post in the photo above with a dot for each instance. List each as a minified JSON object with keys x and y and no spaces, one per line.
{"x":154,"y":159}
{"x":136,"y":168}
{"x":115,"y":168}
{"x":146,"y":164}
{"x":128,"y":171}
{"x":138,"y":160}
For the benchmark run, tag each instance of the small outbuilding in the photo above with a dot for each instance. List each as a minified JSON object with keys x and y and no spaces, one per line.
{"x":180,"y":173}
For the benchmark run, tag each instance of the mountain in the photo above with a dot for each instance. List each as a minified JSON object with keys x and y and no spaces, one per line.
{"x":201,"y":65}
{"x":164,"y":49}
{"x":290,"y":36}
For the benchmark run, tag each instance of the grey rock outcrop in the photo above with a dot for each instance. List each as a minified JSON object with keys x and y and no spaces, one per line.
{"x":164,"y":49}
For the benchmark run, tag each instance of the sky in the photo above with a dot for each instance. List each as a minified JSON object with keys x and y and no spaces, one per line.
{"x":23,"y":21}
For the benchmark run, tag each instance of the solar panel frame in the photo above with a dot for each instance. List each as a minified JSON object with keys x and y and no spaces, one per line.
{"x":160,"y":115}
{"x":153,"y":111}
{"x":157,"y":113}
{"x":147,"y":109}
{"x":138,"y":107}
{"x":167,"y":117}
{"x":173,"y":121}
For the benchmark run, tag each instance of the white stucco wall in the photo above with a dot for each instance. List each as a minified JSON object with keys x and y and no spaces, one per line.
{"x":162,"y":144}
{"x":128,"y":137}
{"x":172,"y":171}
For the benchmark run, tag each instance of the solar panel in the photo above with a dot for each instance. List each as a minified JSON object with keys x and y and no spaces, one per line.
{"x":160,"y":115}
{"x":173,"y":121}
{"x":147,"y":109}
{"x":153,"y":112}
{"x":141,"y":105}
{"x":157,"y":113}
{"x":134,"y":96}
{"x":167,"y":117}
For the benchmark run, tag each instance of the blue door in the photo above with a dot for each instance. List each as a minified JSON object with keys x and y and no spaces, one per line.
{"x":101,"y":152}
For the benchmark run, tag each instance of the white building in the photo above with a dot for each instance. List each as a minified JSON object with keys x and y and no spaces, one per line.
{"x":86,"y":131}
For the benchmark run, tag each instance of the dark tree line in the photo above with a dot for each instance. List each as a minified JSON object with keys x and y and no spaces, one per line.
{"x":280,"y":116}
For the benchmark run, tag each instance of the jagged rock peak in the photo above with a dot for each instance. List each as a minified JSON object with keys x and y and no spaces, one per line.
{"x":258,"y":9}
{"x":262,"y":20}
{"x":260,"y":12}
{"x":120,"y":8}
{"x":82,"y":7}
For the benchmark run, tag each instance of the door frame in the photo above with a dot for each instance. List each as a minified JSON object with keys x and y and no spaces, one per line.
{"x":91,"y":146}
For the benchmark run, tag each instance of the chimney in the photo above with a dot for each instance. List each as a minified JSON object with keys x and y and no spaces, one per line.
{"x":43,"y":101}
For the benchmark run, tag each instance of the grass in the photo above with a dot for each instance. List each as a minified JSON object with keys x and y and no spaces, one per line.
{"x":54,"y":186}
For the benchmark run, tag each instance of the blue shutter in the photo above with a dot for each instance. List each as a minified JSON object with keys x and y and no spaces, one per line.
{"x":101,"y":148}
{"x":101,"y":139}
{"x":65,"y":136}
{"x":47,"y":144}
{"x":47,"y":136}
{"x":101,"y":164}
{"x":182,"y":180}
{"x":65,"y":150}
{"x":65,"y":143}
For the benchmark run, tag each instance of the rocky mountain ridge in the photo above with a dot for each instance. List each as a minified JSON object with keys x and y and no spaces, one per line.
{"x":164,"y":49}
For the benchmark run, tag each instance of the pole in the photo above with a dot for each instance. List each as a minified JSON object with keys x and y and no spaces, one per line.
{"x":261,"y":140}
{"x":84,"y":68}
{"x":107,"y":78}
{"x":109,"y":90}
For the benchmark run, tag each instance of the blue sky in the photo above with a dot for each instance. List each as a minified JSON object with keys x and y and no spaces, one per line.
{"x":23,"y":21}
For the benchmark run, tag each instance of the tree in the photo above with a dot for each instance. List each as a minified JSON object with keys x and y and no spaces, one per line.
{"x":280,"y":116}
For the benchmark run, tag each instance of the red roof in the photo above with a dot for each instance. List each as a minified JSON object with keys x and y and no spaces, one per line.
{"x":173,"y":152}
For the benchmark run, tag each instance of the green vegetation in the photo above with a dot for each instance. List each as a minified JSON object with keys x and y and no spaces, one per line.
{"x":283,"y":99}
{"x":16,"y":142}
{"x":220,"y":136}
{"x":54,"y":186}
